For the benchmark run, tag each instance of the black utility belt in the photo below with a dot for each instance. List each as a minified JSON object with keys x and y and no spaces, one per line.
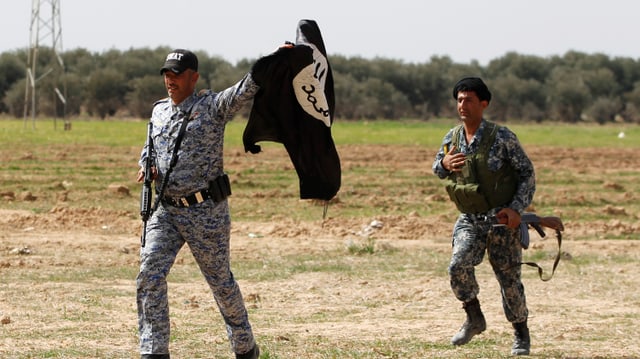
{"x":219,"y":189}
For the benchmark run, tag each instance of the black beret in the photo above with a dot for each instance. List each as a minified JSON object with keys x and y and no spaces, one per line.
{"x":474,"y":84}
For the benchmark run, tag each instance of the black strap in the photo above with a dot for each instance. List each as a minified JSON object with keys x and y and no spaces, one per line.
{"x":555,"y":263}
{"x":219,"y":189}
{"x":536,"y":265}
{"x":174,"y":160}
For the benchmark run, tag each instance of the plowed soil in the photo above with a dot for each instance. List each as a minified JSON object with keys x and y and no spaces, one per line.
{"x":590,"y":309}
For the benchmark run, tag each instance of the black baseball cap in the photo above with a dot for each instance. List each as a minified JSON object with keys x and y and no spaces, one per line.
{"x":179,"y":60}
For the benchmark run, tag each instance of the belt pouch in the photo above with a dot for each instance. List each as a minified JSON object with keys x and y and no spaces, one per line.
{"x":220,"y":188}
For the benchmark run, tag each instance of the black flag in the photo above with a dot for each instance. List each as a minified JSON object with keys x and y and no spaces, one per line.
{"x":295,"y":107}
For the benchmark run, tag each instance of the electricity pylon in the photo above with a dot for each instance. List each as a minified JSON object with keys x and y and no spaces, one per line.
{"x":45,"y":26}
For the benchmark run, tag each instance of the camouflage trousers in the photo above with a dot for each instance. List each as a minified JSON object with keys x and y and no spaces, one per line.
{"x":472,"y":236}
{"x":205,"y":228}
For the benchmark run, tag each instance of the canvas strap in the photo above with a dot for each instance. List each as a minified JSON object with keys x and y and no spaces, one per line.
{"x":174,"y":160}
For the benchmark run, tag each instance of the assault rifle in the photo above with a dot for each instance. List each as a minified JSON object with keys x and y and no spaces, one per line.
{"x":537,"y":223}
{"x":146,"y":194}
{"x":531,"y":219}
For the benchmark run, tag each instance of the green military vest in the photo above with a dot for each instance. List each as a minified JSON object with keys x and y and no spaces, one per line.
{"x":476,"y":189}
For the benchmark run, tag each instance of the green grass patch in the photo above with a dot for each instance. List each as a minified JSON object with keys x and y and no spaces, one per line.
{"x":113,"y":133}
{"x":74,"y":168}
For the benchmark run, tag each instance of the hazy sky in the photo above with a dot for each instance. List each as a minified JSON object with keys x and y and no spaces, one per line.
{"x":408,"y":30}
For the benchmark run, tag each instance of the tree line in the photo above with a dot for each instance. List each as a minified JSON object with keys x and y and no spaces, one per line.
{"x":570,"y":88}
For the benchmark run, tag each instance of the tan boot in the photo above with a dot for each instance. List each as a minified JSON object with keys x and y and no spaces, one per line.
{"x":475,"y":323}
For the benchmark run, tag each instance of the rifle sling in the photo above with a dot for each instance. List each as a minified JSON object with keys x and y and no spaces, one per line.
{"x":536,"y":265}
{"x":174,"y":160}
{"x":555,"y":262}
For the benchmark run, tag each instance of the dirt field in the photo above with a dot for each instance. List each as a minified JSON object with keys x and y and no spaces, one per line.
{"x":67,"y":279}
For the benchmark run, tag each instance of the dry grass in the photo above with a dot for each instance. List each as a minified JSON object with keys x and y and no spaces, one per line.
{"x":68,"y":259}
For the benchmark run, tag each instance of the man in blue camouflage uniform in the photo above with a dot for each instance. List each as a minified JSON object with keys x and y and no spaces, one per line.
{"x":190,"y":211}
{"x":492,"y":181}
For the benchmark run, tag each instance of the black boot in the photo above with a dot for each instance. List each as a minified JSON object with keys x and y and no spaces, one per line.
{"x":521,"y":341}
{"x":475,"y":323}
{"x":154,"y":356}
{"x":251,"y":354}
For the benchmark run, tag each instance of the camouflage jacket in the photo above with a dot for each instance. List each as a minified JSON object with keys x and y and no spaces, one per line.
{"x":200,"y":153}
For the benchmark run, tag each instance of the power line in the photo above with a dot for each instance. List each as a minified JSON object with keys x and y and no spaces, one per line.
{"x":45,"y":27}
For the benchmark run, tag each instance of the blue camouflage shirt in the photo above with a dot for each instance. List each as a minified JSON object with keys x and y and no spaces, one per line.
{"x":200,"y":153}
{"x":505,"y":149}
